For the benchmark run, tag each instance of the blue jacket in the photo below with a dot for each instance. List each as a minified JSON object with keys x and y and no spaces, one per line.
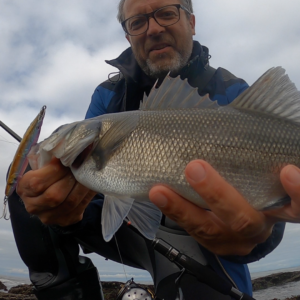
{"x":122,"y":92}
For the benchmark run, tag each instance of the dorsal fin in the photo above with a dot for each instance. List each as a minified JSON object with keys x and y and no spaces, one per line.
{"x":273,"y":93}
{"x":175,"y":93}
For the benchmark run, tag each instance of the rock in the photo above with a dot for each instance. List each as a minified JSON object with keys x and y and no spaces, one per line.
{"x":20,"y":292}
{"x":3,"y":286}
{"x":111,"y":289}
{"x":22,"y":289}
{"x":275,"y":280}
{"x":8,"y":296}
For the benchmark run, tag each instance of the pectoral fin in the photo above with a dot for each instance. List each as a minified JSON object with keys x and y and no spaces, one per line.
{"x":69,"y":141}
{"x":145,"y":217}
{"x":113,"y":138}
{"x":114,"y":212}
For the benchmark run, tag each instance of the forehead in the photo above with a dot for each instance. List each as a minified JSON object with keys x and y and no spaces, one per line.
{"x":135,"y":7}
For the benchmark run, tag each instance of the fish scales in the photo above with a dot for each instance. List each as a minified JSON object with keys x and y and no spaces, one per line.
{"x":124,"y":155}
{"x":158,"y":150}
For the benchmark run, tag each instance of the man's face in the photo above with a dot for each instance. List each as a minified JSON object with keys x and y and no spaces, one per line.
{"x":161,"y":49}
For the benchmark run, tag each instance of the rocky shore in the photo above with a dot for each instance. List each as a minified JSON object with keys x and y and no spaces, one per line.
{"x":111,"y":289}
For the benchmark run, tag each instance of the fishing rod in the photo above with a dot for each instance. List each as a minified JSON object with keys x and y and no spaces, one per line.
{"x":11,"y":132}
{"x":202,"y":273}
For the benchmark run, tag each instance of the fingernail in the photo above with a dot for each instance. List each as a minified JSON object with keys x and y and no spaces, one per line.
{"x":293,"y":175}
{"x":159,"y":200}
{"x":196,"y":172}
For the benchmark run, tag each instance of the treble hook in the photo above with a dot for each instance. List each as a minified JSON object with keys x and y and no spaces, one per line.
{"x":5,"y":214}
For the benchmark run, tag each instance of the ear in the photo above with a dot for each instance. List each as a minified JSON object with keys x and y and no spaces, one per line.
{"x":193,"y":23}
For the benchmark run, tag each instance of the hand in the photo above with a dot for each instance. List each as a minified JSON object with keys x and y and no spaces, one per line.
{"x":231,"y":227}
{"x":290,"y":179}
{"x":53,"y":194}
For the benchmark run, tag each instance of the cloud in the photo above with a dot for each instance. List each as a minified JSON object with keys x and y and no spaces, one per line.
{"x":18,"y":271}
{"x":285,"y":255}
{"x":53,"y":53}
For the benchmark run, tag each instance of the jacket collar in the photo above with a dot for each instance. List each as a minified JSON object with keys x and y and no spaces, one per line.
{"x":133,"y":74}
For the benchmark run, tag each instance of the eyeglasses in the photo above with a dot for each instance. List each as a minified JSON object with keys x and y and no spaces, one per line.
{"x":164,"y":16}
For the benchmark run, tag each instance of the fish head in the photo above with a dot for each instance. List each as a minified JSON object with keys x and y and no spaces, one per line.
{"x":71,"y":143}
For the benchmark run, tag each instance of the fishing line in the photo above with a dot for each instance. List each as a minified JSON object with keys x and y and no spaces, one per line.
{"x":120,"y":257}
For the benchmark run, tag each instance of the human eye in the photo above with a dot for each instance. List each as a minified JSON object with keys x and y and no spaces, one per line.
{"x":167,"y":13}
{"x":136,"y":23}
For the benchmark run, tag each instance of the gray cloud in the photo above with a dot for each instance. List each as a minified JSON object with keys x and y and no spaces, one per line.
{"x":53,"y":52}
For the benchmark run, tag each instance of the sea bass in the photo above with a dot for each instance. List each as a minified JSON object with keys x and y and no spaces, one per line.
{"x":123,"y":155}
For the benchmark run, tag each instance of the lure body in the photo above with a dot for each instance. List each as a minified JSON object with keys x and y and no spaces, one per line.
{"x":20,"y":160}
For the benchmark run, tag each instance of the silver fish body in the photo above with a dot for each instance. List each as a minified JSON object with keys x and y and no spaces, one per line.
{"x":247,"y":149}
{"x":248,"y":142}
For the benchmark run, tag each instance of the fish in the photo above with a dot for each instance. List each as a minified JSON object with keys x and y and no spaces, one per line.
{"x":123,"y":155}
{"x":20,"y":160}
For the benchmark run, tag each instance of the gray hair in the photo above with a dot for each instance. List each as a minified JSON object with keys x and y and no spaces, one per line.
{"x":186,"y":3}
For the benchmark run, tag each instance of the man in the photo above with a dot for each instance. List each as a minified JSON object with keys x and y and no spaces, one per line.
{"x":229,"y":236}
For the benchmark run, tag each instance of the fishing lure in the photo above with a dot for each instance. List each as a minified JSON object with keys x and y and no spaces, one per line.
{"x":20,"y":160}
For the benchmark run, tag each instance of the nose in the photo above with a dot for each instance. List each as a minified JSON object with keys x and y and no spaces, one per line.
{"x":154,"y":28}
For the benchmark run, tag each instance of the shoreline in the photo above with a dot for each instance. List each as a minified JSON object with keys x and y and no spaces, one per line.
{"x":111,"y":288}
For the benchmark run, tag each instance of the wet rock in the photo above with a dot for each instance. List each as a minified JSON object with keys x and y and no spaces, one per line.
{"x":23,"y":289}
{"x":3,"y":286}
{"x":275,"y":280}
{"x":20,"y":292}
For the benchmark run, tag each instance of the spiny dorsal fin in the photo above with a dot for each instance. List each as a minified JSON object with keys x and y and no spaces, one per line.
{"x":175,"y":93}
{"x":273,"y":93}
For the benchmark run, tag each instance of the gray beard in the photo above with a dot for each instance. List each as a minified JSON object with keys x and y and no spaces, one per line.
{"x":160,"y":71}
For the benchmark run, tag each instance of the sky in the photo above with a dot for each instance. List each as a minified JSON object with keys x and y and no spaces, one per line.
{"x":53,"y":53}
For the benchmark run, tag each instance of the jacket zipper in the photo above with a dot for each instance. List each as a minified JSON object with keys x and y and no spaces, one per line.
{"x":225,"y":272}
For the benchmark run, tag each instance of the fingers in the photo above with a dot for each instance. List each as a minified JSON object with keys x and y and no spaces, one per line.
{"x":176,"y":207}
{"x":223,"y":199}
{"x":231,"y":227}
{"x":53,"y":194}
{"x":33,"y":183}
{"x":71,"y":210}
{"x":290,"y":179}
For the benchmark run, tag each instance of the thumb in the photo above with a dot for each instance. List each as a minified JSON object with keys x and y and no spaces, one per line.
{"x":290,"y":179}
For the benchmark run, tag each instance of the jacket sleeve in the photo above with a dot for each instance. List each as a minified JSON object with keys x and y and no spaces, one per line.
{"x":263,"y":249}
{"x":225,"y":87}
{"x":99,"y":103}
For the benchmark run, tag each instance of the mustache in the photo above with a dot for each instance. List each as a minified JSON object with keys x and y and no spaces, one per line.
{"x":158,"y":40}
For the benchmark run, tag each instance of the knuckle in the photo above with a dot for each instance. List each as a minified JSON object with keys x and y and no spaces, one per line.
{"x":70,"y":203}
{"x":242,"y":224}
{"x":207,"y":230}
{"x":35,"y":185}
{"x":214,"y":196}
{"x":52,"y":198}
{"x":46,"y":221}
{"x":30,"y":209}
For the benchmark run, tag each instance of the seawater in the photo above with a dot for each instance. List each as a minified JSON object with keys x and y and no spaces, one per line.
{"x":279,"y":292}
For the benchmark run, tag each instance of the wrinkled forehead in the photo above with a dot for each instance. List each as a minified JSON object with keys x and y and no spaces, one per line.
{"x":135,"y":7}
